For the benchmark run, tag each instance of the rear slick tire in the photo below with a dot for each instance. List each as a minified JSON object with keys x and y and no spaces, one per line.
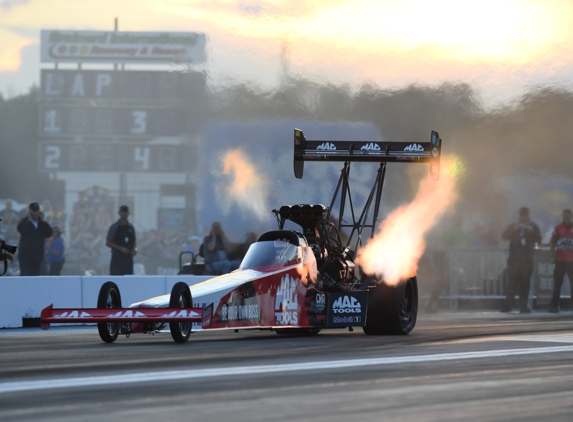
{"x":180,"y":298}
{"x":108,"y":298}
{"x":392,"y":310}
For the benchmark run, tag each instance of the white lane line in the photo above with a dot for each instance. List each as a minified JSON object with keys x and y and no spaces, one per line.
{"x":540,"y":338}
{"x":543,"y":338}
{"x":10,"y":387}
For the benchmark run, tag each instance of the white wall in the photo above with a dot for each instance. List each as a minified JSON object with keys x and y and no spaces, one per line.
{"x":27,"y":296}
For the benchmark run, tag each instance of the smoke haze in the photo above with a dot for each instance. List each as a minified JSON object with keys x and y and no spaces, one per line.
{"x":244,"y":185}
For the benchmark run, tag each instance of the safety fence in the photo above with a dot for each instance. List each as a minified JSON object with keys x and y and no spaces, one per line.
{"x":466,"y":274}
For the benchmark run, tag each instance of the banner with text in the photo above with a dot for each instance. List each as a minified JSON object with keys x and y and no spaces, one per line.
{"x":122,"y":47}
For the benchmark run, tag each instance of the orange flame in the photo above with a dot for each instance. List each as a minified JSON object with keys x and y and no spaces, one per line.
{"x":395,"y":250}
{"x":249,"y":189}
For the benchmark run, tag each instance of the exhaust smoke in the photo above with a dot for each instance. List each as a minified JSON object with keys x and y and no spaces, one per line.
{"x":245,"y":186}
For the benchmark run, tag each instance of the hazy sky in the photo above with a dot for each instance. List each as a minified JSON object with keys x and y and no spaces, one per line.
{"x":502,"y":47}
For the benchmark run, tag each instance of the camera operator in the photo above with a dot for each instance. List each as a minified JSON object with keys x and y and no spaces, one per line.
{"x":33,"y":232}
{"x":6,"y":253}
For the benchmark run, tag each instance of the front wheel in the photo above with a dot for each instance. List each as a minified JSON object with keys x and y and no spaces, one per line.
{"x":180,"y":298}
{"x":108,"y":298}
{"x":392,"y":309}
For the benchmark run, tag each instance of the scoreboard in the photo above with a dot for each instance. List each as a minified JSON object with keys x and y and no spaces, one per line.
{"x":130,"y":157}
{"x":120,"y":85}
{"x":112,"y":115}
{"x":132,"y":121}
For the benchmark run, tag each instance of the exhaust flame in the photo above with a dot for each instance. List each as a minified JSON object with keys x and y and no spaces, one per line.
{"x":395,"y":250}
{"x":248,"y":189}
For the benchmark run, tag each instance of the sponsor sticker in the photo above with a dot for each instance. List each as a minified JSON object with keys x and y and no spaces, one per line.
{"x":414,"y":148}
{"x":346,"y":309}
{"x":346,"y":305}
{"x":346,"y":319}
{"x":370,"y":147}
{"x":286,"y":302}
{"x":320,"y":303}
{"x":231,"y":312}
{"x":326,"y":146}
{"x":74,"y":314}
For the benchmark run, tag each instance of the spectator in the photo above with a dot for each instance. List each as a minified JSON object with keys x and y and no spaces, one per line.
{"x":121,"y":239}
{"x":96,"y":196}
{"x":48,"y":211}
{"x":33,"y":230}
{"x":55,"y":216}
{"x":522,"y":237}
{"x":216,"y":259}
{"x":562,"y":240}
{"x":55,"y":254}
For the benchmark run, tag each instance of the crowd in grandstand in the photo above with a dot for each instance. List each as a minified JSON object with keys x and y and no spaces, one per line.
{"x":86,"y":229}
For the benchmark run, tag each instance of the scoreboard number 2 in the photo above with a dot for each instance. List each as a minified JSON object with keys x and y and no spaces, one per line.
{"x":51,"y":160}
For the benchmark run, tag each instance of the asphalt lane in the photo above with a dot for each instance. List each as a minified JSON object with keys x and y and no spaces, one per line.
{"x":453,"y":366}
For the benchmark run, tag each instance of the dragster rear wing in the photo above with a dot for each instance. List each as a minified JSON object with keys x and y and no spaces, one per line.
{"x":360,"y":151}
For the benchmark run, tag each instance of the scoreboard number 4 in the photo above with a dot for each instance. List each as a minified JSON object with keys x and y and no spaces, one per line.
{"x":141,"y":156}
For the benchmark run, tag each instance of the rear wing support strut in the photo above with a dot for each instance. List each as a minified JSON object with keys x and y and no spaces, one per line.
{"x":375,"y":196}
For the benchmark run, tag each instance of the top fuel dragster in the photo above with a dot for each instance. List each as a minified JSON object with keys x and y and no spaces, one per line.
{"x":290,"y":281}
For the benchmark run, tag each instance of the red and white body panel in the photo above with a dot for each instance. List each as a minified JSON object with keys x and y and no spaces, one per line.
{"x":275,"y":296}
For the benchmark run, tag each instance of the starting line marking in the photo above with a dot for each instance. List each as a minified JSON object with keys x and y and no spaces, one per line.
{"x":11,"y":387}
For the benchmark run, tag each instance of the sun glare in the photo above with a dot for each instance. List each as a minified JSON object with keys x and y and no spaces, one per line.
{"x":386,"y":41}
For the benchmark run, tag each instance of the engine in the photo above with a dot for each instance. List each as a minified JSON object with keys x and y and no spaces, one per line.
{"x":335,"y":261}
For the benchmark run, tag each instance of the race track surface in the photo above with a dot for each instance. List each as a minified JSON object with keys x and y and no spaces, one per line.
{"x":475,"y":366}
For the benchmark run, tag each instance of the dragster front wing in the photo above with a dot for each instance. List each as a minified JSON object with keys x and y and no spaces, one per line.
{"x":114,"y":315}
{"x":360,"y":151}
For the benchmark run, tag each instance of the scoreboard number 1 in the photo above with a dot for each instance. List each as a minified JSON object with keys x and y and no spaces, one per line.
{"x":50,"y":125}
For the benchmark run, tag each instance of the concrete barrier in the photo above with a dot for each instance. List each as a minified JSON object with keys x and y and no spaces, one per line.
{"x":25,"y":297}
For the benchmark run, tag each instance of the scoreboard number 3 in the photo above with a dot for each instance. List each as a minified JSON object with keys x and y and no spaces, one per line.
{"x":139,"y":122}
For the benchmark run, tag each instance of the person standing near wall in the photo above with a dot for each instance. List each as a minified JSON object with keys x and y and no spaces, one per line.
{"x":562,"y":241}
{"x":55,"y":252}
{"x":33,"y":232}
{"x":121,"y":239}
{"x":522,"y":237}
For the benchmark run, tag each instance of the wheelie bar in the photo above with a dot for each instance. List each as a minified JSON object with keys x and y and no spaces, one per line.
{"x":85,"y":315}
